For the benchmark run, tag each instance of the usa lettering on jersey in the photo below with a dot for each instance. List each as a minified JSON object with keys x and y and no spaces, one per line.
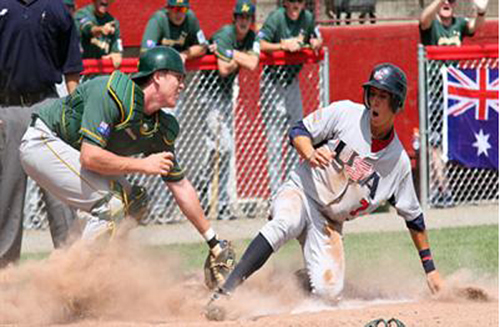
{"x":357,"y":169}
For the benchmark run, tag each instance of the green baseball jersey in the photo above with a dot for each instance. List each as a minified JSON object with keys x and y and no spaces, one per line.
{"x":160,"y":30}
{"x":97,"y":46}
{"x":278,"y":27}
{"x":225,"y":39}
{"x":108,"y":111}
{"x":438,"y":34}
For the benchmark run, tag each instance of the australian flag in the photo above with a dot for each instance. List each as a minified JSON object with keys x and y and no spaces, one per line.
{"x":471,"y":116}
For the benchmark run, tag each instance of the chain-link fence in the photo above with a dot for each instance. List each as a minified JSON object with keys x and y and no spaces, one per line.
{"x":445,"y":182}
{"x":233,"y":140}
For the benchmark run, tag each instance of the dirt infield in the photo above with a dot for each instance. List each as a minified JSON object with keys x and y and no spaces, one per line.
{"x":126,"y":284}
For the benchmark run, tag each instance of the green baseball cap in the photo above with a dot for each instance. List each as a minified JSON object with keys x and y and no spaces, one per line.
{"x":70,"y":3}
{"x":159,"y":58}
{"x":178,"y":3}
{"x":244,"y":7}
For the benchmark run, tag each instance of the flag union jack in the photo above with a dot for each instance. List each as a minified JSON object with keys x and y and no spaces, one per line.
{"x":472,"y":89}
{"x":470,"y":125}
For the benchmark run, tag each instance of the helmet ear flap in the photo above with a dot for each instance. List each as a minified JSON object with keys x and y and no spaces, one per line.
{"x":396,"y":104}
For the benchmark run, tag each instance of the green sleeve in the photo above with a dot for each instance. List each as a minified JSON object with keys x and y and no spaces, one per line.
{"x":195,"y":34}
{"x":269,"y":31}
{"x":169,"y":129}
{"x":117,"y":46}
{"x":224,"y":44}
{"x":154,"y":31}
{"x":84,"y":22}
{"x":99,"y":116}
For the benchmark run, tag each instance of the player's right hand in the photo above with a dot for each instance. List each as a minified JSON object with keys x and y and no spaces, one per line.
{"x":158,"y":163}
{"x":321,"y":157}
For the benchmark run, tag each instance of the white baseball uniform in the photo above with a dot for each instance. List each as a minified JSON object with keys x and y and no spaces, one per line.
{"x":314,"y":203}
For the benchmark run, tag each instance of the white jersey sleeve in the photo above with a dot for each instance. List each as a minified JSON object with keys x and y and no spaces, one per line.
{"x":323,"y":123}
{"x":405,"y":198}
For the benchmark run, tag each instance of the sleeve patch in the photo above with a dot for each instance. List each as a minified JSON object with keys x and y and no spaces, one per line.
{"x":201,"y":37}
{"x":104,"y":129}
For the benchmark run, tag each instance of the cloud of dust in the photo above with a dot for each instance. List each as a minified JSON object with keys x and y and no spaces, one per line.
{"x":118,"y":280}
{"x":126,"y":281}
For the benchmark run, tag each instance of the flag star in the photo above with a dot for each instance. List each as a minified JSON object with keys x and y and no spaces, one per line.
{"x":481,"y":143}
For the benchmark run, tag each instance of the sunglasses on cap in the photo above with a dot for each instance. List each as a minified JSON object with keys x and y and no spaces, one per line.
{"x":452,"y":1}
{"x":178,"y":9}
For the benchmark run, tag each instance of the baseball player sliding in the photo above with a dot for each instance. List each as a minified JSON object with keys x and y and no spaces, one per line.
{"x":352,"y":162}
{"x":79,"y":147}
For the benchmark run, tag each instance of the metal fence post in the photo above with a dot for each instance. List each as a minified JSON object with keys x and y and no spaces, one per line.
{"x":326,"y":78}
{"x":422,"y":111}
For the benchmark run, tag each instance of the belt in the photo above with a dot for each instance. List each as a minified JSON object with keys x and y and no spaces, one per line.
{"x":25,"y":99}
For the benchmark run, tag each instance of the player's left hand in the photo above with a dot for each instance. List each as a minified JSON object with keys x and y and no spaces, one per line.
{"x":481,"y":5}
{"x":434,"y":282}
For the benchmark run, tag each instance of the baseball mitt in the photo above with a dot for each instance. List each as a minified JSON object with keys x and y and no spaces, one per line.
{"x":219,"y":263}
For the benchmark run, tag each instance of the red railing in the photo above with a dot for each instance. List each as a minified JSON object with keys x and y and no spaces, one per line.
{"x":207,"y":62}
{"x":468,"y":52}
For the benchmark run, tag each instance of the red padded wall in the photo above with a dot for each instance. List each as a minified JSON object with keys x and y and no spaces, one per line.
{"x":354,"y":50}
{"x":133,"y":16}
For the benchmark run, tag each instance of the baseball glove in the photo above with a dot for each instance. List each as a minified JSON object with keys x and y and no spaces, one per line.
{"x":219,"y":263}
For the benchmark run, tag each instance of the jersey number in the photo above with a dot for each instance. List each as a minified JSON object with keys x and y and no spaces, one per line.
{"x":364,"y":205}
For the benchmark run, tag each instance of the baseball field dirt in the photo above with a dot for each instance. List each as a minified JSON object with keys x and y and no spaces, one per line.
{"x":126,"y":284}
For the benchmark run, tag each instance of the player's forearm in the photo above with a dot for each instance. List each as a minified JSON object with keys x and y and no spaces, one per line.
{"x":475,"y":23}
{"x":429,"y":14}
{"x":116,"y":57}
{"x":194,"y":51}
{"x":422,"y":245}
{"x":103,"y":162}
{"x":304,"y":146}
{"x":420,"y":239}
{"x":187,"y":200}
{"x":269,"y":47}
{"x":226,"y":68}
{"x":246,"y":60}
{"x":72,"y":80}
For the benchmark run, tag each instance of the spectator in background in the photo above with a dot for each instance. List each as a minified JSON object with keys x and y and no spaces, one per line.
{"x":33,"y":58}
{"x":440,"y":26}
{"x":100,"y":32}
{"x":335,"y":8}
{"x":70,"y":5}
{"x":367,"y":8}
{"x":288,"y":28}
{"x":175,"y":26}
{"x":235,"y":47}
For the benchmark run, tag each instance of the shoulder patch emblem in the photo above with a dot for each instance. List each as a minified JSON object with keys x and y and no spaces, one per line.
{"x":104,"y":129}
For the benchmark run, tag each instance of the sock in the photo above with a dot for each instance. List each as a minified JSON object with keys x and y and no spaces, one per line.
{"x":254,"y":257}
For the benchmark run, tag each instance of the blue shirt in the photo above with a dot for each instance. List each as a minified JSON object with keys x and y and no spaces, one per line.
{"x":38,"y":43}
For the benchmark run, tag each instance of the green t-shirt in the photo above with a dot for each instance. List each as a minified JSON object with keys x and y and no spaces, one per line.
{"x":279,"y":27}
{"x":438,"y":34}
{"x":160,"y":30}
{"x":96,"y":47}
{"x":108,"y":111}
{"x":226,"y":41}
